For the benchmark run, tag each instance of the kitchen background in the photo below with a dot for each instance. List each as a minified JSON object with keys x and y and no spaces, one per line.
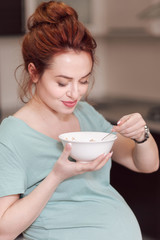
{"x":127,"y":79}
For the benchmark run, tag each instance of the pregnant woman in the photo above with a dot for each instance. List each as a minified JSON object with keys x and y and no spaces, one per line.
{"x":43,"y":193}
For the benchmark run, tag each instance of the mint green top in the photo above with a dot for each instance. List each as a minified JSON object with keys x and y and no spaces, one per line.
{"x":84,"y":207}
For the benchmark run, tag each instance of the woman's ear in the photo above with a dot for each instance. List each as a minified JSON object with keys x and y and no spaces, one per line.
{"x":33,"y":72}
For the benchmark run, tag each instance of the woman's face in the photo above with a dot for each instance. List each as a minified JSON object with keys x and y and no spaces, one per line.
{"x":65,"y":81}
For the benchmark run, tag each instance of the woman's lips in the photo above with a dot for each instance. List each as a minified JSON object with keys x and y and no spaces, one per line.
{"x":69,"y":103}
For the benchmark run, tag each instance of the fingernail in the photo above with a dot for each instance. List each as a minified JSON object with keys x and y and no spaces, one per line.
{"x":69,"y":145}
{"x":111,"y":153}
{"x":118,"y":122}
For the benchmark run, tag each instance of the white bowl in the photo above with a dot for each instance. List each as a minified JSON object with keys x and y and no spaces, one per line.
{"x":87,"y":146}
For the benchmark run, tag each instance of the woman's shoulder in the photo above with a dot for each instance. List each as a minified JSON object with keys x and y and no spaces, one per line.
{"x":10,"y":123}
{"x":7,"y":123}
{"x":12,"y":126}
{"x":16,"y":122}
{"x":8,"y":128}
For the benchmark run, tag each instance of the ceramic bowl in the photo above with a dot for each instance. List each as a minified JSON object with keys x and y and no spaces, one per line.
{"x":87,"y":146}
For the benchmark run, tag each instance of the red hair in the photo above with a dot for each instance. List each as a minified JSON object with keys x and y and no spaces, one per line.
{"x":53,"y":28}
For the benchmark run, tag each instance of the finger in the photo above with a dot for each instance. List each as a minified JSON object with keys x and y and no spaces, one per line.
{"x":120,"y":123}
{"x":131,"y":123}
{"x":85,"y":167}
{"x":135,"y":134}
{"x":104,"y":161}
{"x":122,"y":120}
{"x":97,"y":161}
{"x":66,"y":152}
{"x":134,"y":128}
{"x":93,"y":165}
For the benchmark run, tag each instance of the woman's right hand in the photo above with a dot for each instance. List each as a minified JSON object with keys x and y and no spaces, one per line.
{"x":64,"y":168}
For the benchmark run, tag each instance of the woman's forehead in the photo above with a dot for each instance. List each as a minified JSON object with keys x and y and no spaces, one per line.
{"x":72,"y":61}
{"x":70,"y":56}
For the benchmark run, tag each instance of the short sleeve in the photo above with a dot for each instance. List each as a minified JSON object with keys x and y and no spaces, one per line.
{"x":12,"y":174}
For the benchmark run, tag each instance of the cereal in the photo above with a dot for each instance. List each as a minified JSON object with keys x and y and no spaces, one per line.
{"x":92,"y":140}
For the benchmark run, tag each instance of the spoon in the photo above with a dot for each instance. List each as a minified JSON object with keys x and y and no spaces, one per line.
{"x":106,"y":136}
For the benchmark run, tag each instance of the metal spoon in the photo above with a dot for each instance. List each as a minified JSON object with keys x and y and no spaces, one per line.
{"x":106,"y":136}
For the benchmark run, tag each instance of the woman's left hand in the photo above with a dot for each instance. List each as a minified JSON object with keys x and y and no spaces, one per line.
{"x":131,"y":126}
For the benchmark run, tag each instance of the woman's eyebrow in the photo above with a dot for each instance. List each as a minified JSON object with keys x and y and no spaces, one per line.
{"x":70,"y":78}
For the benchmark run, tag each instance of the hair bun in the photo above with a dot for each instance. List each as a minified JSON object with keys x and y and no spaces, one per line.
{"x":50,"y":13}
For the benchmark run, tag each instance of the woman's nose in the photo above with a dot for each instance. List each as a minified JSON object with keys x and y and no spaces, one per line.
{"x":73,"y":91}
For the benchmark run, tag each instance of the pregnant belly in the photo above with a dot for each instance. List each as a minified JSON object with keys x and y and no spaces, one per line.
{"x":94,"y":220}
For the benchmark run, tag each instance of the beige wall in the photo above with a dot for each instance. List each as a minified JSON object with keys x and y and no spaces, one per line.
{"x":10,"y":58}
{"x":128,"y":67}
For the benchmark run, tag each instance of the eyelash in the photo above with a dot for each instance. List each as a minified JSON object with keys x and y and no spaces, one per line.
{"x":61,"y":84}
{"x":86,"y":82}
{"x":64,"y":85}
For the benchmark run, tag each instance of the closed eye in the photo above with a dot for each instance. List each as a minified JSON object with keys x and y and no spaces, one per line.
{"x":84,"y":82}
{"x":62,"y":84}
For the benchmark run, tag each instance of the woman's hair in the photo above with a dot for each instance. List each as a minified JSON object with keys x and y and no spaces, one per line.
{"x":53,"y":28}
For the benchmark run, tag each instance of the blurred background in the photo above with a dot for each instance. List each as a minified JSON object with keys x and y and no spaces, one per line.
{"x":127,"y":79}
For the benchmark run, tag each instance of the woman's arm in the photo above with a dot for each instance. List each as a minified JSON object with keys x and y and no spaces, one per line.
{"x":16,"y":214}
{"x":140,"y":157}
